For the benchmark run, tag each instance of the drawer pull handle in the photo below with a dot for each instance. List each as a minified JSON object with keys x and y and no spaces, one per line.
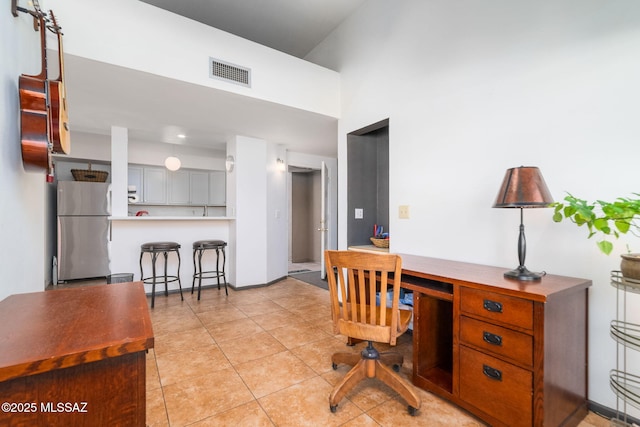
{"x":492,"y":373}
{"x":492,"y":306}
{"x":492,"y":338}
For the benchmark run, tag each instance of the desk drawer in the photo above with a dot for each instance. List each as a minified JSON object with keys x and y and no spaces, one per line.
{"x":502,"y":308}
{"x":498,"y":388}
{"x":497,"y":340}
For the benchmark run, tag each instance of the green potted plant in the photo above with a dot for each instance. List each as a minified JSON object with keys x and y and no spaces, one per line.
{"x":607,"y":220}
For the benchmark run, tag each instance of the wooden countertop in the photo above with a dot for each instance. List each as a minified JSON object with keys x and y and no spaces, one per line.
{"x":49,"y":330}
{"x":368,"y":248}
{"x":484,"y":276}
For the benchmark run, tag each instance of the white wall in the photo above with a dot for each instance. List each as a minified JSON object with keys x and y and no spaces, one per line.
{"x":98,"y":147}
{"x":257,"y":199}
{"x":277,"y":214}
{"x":24,"y":248}
{"x":118,"y":31}
{"x":473,"y":88}
{"x":247,"y":198}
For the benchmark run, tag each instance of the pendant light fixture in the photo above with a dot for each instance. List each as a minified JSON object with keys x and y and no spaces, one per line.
{"x":172,"y":163}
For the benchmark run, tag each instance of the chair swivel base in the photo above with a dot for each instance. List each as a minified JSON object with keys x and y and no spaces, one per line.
{"x":369,"y":364}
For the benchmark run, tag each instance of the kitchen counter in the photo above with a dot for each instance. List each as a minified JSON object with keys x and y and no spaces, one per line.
{"x":171,"y":218}
{"x":129,"y":232}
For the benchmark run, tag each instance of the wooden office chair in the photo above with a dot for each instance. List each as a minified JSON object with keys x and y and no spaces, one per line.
{"x":356,"y":315}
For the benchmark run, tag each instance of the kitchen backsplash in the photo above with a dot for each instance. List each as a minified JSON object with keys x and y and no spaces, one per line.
{"x":178,"y":210}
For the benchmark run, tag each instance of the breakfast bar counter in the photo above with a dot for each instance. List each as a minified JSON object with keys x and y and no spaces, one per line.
{"x":128,"y":233}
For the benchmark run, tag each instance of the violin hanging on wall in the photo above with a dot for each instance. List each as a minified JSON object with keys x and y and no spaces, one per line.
{"x":59,"y":119}
{"x":34,"y":109}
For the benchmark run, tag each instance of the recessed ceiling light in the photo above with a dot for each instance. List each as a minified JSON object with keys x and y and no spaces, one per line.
{"x":182,"y":136}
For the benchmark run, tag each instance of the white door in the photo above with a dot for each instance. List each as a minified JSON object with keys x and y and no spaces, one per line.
{"x":324,"y":216}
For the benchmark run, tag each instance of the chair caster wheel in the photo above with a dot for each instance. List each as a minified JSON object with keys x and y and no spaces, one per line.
{"x":396,"y":368}
{"x":334,"y":366}
{"x":412,"y":411}
{"x":333,"y":408}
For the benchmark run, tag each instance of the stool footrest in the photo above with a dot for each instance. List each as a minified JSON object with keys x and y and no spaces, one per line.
{"x":209,"y":275}
{"x":160,"y":280}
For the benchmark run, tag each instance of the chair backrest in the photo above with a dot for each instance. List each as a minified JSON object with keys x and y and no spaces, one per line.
{"x":354,"y":307}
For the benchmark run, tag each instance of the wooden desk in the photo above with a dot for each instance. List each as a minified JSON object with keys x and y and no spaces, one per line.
{"x":75,"y":356}
{"x":512,"y":353}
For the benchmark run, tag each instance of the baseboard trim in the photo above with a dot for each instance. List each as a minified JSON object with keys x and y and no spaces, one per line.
{"x":609,"y":414}
{"x":259,"y":285}
{"x":230,"y":285}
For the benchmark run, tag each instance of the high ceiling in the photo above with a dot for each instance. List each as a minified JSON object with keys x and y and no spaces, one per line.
{"x":291,"y":26}
{"x":154,"y":108}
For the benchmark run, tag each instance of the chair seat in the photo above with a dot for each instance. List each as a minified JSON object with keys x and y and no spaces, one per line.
{"x":209,"y":244}
{"x":359,"y":330}
{"x":159,"y":246}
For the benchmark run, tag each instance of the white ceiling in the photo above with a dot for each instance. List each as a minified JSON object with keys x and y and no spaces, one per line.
{"x":157,"y":109}
{"x":154,"y":108}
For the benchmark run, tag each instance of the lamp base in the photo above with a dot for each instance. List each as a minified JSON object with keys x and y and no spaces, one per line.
{"x":521,"y":273}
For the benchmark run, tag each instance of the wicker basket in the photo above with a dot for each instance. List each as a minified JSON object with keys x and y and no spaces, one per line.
{"x":88,"y":175}
{"x":379,"y":243}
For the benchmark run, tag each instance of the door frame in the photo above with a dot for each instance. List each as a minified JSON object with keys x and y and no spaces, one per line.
{"x":311,"y":162}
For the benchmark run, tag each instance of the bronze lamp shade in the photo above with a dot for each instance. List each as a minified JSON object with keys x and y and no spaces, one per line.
{"x":523,"y":187}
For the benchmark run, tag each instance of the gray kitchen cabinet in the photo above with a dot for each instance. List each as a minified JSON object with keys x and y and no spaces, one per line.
{"x":217,"y":188}
{"x":199,"y":187}
{"x":185,"y":187}
{"x":179,"y":187}
{"x":134,"y":180}
{"x":155,"y":185}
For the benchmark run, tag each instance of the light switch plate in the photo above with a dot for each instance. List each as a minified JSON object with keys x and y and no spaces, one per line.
{"x":403,"y":212}
{"x":359,"y":213}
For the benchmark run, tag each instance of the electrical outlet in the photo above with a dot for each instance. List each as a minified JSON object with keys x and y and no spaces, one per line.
{"x":403,"y":212}
{"x":359,"y":213}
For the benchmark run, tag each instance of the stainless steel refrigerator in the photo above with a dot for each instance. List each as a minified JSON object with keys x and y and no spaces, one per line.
{"x":83,"y":230}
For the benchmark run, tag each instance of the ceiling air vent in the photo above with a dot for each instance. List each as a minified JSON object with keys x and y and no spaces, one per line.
{"x":229,"y":72}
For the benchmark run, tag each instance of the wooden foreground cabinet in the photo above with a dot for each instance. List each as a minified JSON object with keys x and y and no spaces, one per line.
{"x":75,"y":357}
{"x":513,"y":353}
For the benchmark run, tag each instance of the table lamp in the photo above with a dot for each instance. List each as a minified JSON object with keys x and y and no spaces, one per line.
{"x":523,"y":187}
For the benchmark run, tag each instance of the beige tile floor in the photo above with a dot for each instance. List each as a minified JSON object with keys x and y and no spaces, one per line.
{"x":261,"y":357}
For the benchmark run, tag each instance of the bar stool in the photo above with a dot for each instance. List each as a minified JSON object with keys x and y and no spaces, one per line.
{"x":154,"y":249}
{"x":199,"y":248}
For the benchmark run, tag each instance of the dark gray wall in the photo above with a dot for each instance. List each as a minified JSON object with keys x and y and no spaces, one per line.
{"x":367,"y":183}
